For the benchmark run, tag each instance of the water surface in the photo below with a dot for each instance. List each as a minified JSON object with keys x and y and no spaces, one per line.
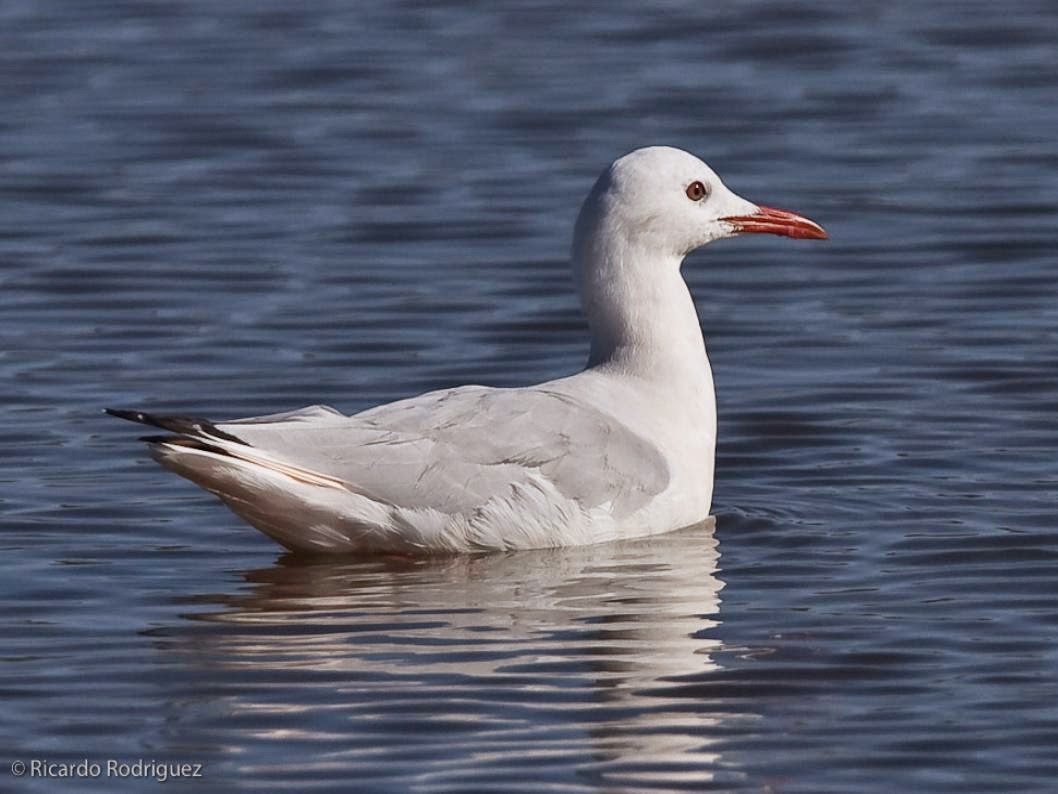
{"x":232,"y":209}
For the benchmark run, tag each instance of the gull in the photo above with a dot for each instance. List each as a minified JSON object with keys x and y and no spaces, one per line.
{"x":622,"y":449}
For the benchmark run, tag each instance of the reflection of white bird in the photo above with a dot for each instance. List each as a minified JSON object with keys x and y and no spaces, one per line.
{"x":624,"y":448}
{"x":590,"y":659}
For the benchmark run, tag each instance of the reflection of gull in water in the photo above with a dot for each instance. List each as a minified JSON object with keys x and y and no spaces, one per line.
{"x":468,"y":669}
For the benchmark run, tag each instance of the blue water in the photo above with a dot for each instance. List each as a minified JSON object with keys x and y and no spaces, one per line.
{"x":234,"y":208}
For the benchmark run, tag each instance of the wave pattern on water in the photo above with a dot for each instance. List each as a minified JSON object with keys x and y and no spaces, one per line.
{"x":231,"y":209}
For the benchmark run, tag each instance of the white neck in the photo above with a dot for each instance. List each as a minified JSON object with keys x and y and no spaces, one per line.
{"x":640,"y":312}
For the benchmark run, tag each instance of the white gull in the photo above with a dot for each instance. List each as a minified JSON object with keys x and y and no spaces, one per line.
{"x":623,"y":449}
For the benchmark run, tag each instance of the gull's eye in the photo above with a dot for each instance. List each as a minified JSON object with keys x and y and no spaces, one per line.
{"x":696,"y":191}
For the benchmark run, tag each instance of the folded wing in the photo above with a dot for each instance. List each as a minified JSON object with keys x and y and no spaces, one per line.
{"x":454,"y":450}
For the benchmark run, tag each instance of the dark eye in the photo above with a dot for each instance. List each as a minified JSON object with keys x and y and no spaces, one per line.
{"x":696,"y":191}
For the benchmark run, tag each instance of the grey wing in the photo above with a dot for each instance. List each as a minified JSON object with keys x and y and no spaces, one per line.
{"x":455,"y":450}
{"x":313,"y":413}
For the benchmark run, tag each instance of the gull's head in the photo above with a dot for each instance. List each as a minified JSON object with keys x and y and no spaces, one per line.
{"x":668,"y":202}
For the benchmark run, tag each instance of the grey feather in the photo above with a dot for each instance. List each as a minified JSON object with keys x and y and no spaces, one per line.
{"x":454,"y":450}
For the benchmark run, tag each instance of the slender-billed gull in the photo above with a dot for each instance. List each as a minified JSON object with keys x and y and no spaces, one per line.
{"x":622,"y":449}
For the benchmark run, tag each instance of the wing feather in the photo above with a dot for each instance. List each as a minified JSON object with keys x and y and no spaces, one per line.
{"x":454,"y":450}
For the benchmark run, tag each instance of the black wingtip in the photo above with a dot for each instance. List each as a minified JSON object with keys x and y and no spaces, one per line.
{"x":181,"y":425}
{"x":132,"y":416}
